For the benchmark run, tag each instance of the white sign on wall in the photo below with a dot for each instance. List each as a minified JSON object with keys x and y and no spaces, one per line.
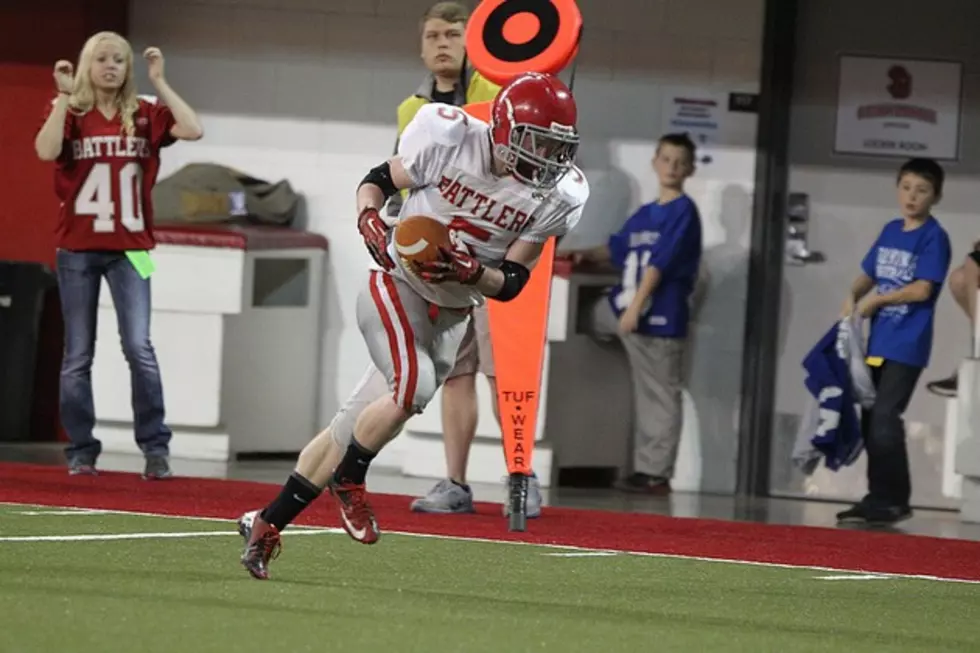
{"x":898,"y":107}
{"x":715,"y":119}
{"x":698,"y":114}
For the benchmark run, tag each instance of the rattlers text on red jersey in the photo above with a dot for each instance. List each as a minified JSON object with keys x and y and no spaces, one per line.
{"x":447,"y":153}
{"x":104,"y":178}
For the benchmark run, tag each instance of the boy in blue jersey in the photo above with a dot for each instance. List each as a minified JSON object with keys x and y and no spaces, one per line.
{"x":906,"y":267}
{"x":658,"y":252}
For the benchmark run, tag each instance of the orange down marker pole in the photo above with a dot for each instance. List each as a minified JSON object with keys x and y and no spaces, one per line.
{"x":505,"y":38}
{"x":518,"y":330}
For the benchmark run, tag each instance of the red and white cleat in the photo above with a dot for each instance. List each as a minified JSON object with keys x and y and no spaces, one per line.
{"x":356,"y":515}
{"x":262,"y":544}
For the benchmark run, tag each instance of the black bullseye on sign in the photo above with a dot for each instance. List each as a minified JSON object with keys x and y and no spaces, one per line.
{"x":495,"y":36}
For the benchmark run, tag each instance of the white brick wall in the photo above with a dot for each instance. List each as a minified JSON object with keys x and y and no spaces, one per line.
{"x":306,"y":89}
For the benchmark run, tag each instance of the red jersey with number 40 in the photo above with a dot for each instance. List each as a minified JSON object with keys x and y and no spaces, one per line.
{"x":104,"y":178}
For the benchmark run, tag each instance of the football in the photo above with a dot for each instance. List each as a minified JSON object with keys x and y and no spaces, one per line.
{"x":418,"y":239}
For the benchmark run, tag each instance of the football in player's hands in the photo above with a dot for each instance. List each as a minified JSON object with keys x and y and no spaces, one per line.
{"x":419,"y":239}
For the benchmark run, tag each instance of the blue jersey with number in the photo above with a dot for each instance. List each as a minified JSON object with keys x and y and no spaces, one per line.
{"x":667,"y":237}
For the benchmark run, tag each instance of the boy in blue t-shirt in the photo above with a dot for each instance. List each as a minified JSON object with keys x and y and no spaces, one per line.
{"x":907,"y":266}
{"x":658,"y":251}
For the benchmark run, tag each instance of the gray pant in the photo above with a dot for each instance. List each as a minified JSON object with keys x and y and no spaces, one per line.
{"x":412,"y":343}
{"x":656,"y":365}
{"x":412,"y":347}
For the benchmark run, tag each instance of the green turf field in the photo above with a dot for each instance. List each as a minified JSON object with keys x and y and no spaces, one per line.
{"x":188,"y":593}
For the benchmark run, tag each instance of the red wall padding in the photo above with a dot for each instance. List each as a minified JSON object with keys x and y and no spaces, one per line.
{"x":35,"y":35}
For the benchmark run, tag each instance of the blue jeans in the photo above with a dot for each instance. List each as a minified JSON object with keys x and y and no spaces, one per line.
{"x":79,"y":279}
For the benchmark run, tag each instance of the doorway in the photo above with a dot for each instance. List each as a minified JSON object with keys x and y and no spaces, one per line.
{"x":841,"y":200}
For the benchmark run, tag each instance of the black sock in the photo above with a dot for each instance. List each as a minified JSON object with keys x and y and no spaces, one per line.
{"x":462,"y":485}
{"x":294,"y":497}
{"x":353,"y":468}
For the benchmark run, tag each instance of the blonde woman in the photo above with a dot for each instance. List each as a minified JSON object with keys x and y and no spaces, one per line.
{"x":105,"y":141}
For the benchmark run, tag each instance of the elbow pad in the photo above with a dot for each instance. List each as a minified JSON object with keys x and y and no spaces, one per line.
{"x":380,"y":176}
{"x":515,"y":278}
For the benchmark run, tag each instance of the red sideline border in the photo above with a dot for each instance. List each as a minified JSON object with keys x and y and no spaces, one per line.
{"x":799,"y":546}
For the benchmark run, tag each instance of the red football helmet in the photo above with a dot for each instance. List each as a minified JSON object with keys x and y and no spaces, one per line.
{"x":532,"y":125}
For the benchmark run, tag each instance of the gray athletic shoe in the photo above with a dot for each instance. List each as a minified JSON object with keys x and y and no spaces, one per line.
{"x":445,"y":498}
{"x":82,"y":467}
{"x":157,"y":468}
{"x":533,"y":498}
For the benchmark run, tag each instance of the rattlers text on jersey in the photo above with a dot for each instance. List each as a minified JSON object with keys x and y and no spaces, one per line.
{"x":448,"y":155}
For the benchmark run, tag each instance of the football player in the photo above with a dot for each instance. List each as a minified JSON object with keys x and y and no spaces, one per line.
{"x":502,"y":189}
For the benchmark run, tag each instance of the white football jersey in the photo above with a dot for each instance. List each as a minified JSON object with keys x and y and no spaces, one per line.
{"x":448,"y":155}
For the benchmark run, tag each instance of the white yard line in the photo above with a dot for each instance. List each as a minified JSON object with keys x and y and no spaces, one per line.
{"x":566,"y":547}
{"x":102,"y":537}
{"x":854,"y":577}
{"x":101,"y":511}
{"x":60,"y":513}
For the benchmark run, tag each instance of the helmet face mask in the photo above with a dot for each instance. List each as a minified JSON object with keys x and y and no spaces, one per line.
{"x":533,"y":130}
{"x":541,"y":157}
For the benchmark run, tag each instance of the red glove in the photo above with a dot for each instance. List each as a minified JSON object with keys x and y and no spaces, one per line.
{"x":374,"y":231}
{"x":454,"y":266}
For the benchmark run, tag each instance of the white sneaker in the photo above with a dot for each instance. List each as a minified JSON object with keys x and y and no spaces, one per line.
{"x":445,"y":498}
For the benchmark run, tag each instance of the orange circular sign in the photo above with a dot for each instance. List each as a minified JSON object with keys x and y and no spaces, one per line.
{"x":505,"y":38}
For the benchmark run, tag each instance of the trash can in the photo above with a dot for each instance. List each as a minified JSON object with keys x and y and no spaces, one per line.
{"x":22,"y":289}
